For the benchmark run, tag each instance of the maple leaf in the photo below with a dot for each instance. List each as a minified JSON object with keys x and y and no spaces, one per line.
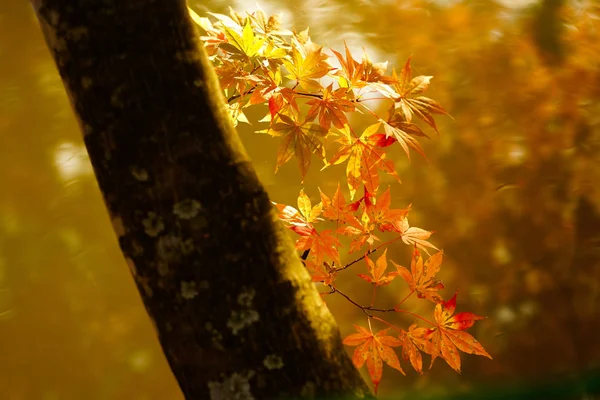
{"x":375,"y":214}
{"x":414,"y":236}
{"x":300,"y":139}
{"x":335,"y":208}
{"x":229,"y":74}
{"x":374,"y":349}
{"x":322,"y":272}
{"x":282,"y":101}
{"x":377,"y":271}
{"x":322,"y":245}
{"x":362,"y":228}
{"x":449,"y":336}
{"x":269,"y":26}
{"x":305,"y":207}
{"x":297,"y":222}
{"x":306,"y":68}
{"x":364,"y":160}
{"x":247,"y":43}
{"x":361,"y":74}
{"x":406,"y":88}
{"x":404,"y":138}
{"x":331,"y":108}
{"x":382,"y":140}
{"x":351,"y":71}
{"x":398,"y":121}
{"x":413,"y":342}
{"x":422,"y":276}
{"x":380,"y":213}
{"x":374,"y":72}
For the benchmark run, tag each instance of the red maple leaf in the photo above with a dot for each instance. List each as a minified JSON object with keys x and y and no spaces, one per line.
{"x":449,"y":336}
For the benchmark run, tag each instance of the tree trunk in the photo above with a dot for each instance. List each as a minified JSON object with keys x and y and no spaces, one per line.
{"x":236,"y":313}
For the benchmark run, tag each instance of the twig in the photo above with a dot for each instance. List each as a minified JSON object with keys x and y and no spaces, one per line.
{"x":237,"y":96}
{"x":335,"y":290}
{"x":364,"y":309}
{"x":355,"y":261}
{"x":368,"y":253}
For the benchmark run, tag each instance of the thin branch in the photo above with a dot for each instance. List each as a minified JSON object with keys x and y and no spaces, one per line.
{"x":364,"y":309}
{"x":368,"y":253}
{"x":334,"y":289}
{"x":318,"y":96}
{"x":237,"y":96}
{"x":357,"y":260}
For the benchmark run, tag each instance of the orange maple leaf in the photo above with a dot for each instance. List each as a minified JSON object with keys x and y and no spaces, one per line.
{"x":374,"y":72}
{"x":351,"y":70}
{"x":380,"y":213}
{"x":301,"y":220}
{"x":300,"y":139}
{"x":362,"y":228}
{"x":377,"y":270}
{"x":449,"y":336}
{"x":331,"y":108}
{"x":406,"y":88}
{"x":413,"y":342}
{"x":322,"y":245}
{"x":374,"y":349}
{"x":404,"y":138}
{"x":335,"y":208}
{"x":360,"y":74}
{"x":321,"y":272}
{"x":422,"y":276}
{"x":307,"y":63}
{"x":365,"y":160}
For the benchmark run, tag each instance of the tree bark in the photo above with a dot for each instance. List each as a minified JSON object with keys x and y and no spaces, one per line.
{"x":235,"y":311}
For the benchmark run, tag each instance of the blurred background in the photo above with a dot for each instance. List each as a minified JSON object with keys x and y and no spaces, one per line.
{"x":512,"y":189}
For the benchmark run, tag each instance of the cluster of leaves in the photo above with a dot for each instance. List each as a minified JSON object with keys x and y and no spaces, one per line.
{"x":362,"y":221}
{"x":308,"y":99}
{"x":309,"y":102}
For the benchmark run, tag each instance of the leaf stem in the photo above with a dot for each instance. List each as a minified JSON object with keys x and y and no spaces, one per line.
{"x":404,"y":299}
{"x":388,"y":324}
{"x":414,"y":315}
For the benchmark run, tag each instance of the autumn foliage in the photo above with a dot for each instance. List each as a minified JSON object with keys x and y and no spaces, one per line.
{"x":308,"y":105}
